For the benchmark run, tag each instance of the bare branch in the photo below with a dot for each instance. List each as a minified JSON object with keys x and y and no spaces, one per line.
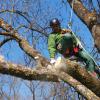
{"x":33,"y":29}
{"x":5,"y":41}
{"x":17,"y":12}
{"x":23,"y":15}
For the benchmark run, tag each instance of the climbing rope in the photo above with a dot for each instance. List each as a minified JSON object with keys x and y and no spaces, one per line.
{"x":71,"y":15}
{"x":70,"y":27}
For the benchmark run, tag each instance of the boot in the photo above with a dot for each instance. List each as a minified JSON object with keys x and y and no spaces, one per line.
{"x":97,"y":70}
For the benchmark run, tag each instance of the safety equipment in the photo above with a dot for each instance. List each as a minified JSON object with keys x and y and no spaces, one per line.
{"x":52,"y":61}
{"x":54,"y":22}
{"x":76,"y":49}
{"x":72,"y":51}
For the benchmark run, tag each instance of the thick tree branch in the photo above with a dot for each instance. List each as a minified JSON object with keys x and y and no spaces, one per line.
{"x":45,"y":75}
{"x":24,"y":45}
{"x":91,"y":19}
{"x":72,"y":69}
{"x":78,"y":86}
{"x":96,"y":35}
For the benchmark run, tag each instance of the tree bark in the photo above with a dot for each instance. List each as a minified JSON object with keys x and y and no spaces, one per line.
{"x":91,"y":19}
{"x":46,"y":75}
{"x":24,"y":45}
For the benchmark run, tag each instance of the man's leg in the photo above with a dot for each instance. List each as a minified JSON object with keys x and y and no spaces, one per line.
{"x":90,"y":64}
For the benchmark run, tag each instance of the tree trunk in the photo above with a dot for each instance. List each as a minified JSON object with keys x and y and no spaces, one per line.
{"x":91,"y":19}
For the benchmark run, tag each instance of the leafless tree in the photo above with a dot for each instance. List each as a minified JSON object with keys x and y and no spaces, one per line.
{"x":24,"y":25}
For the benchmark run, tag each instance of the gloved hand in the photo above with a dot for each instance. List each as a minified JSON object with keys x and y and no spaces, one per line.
{"x":52,"y":61}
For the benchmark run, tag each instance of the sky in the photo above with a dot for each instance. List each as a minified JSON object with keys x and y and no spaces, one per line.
{"x":13,"y":53}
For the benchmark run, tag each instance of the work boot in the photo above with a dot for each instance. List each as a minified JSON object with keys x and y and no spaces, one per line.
{"x":97,"y":70}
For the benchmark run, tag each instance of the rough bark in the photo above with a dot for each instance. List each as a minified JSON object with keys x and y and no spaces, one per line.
{"x":24,"y":45}
{"x":76,"y":71}
{"x":45,"y":75}
{"x":78,"y":86}
{"x":91,"y":19}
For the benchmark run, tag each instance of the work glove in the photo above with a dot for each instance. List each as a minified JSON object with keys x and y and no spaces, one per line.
{"x":52,"y":61}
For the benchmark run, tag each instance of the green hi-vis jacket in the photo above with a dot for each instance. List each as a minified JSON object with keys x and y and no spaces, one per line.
{"x":58,"y":42}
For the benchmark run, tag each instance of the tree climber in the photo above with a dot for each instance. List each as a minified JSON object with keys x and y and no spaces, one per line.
{"x":66,"y":43}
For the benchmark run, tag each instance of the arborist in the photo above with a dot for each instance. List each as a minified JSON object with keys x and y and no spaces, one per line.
{"x":66,"y":43}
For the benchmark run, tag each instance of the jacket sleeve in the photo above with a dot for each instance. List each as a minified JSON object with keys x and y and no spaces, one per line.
{"x":52,"y":45}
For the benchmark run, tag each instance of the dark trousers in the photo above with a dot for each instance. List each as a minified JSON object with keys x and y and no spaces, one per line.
{"x":84,"y":56}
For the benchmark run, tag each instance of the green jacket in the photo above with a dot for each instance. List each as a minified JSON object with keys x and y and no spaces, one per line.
{"x":56,"y":39}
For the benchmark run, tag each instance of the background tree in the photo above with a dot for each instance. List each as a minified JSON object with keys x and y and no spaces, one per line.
{"x":24,"y":29}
